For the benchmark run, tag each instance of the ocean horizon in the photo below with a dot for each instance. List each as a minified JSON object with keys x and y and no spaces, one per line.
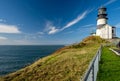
{"x":15,"y":57}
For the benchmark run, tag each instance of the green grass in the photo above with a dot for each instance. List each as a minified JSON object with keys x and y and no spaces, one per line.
{"x":66,"y":64}
{"x":109,"y":66}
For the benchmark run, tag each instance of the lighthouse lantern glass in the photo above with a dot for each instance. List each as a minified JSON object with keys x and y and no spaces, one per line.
{"x":101,"y":11}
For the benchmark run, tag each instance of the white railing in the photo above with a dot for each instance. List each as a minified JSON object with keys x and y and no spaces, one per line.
{"x":91,"y":73}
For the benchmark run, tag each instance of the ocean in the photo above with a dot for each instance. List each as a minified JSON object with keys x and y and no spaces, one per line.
{"x":13,"y":58}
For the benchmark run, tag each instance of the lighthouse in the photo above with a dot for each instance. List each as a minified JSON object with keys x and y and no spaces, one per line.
{"x":104,"y":30}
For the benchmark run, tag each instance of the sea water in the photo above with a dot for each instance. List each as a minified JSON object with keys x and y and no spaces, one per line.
{"x":13,"y":58}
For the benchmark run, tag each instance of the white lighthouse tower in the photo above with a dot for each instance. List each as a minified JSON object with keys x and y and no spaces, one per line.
{"x":104,"y":30}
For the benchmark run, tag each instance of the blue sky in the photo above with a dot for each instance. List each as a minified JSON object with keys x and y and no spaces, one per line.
{"x":42,"y":22}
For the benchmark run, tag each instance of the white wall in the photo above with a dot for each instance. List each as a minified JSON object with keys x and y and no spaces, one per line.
{"x":105,"y":32}
{"x":101,"y":21}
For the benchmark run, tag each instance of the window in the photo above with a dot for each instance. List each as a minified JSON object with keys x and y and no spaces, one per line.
{"x":112,"y":30}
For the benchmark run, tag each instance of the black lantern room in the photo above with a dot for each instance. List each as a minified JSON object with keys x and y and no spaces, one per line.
{"x":102,"y":13}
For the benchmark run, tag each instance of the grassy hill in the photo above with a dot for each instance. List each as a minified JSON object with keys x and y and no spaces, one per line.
{"x":66,"y":64}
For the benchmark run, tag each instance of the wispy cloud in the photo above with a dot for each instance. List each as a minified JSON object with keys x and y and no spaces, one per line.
{"x":2,"y":20}
{"x":88,"y":25}
{"x":4,"y":28}
{"x":50,"y":28}
{"x":53,"y":29}
{"x":40,"y":33}
{"x":89,"y":28}
{"x":32,"y":36}
{"x":109,"y":2}
{"x":69,"y":32}
{"x":3,"y":38}
{"x":117,"y":25}
{"x":76,"y":20}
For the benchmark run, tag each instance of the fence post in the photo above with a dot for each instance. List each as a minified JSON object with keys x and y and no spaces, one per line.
{"x":99,"y":59}
{"x":93,"y":71}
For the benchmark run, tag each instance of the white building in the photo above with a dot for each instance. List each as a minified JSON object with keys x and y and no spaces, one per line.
{"x":103,"y":29}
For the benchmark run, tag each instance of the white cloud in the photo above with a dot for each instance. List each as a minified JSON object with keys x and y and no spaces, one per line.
{"x":109,"y":2}
{"x":51,"y":29}
{"x":4,"y":28}
{"x":76,"y":20}
{"x":3,"y":38}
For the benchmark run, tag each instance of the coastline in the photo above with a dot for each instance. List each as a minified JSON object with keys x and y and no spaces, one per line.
{"x":68,"y":63}
{"x":15,"y":57}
